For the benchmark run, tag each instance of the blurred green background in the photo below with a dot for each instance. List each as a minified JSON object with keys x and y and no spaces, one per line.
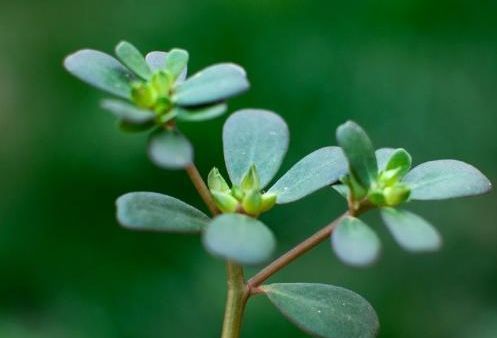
{"x":420,"y":74}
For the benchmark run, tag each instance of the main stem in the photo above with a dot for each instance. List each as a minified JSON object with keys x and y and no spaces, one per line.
{"x":235,"y":302}
{"x":238,"y":292}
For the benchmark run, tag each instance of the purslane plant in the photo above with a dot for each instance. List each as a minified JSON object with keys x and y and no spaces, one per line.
{"x":158,"y":94}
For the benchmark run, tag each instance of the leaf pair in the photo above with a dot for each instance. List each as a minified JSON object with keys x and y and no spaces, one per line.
{"x":355,"y":242}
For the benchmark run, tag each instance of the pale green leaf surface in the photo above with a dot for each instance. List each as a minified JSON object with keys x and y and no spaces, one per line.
{"x":133,"y":59}
{"x":156,"y":212}
{"x":324,"y":311}
{"x":127,"y":112}
{"x":200,"y":114}
{"x":355,"y":243}
{"x":239,"y":238}
{"x":176,"y":62}
{"x":170,"y":150}
{"x":445,"y":179}
{"x":316,"y":170}
{"x":213,"y":84}
{"x":410,"y":231}
{"x":254,"y":137}
{"x":156,"y":60}
{"x":382,"y":157}
{"x":100,"y":70}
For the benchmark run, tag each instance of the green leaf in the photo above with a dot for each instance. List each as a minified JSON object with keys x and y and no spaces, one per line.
{"x":157,"y":212}
{"x":320,"y":168}
{"x":200,"y":114}
{"x":382,"y":157}
{"x":213,"y":84}
{"x":239,"y":238}
{"x":254,"y":137}
{"x":170,"y":150}
{"x":100,"y":70}
{"x":444,"y":179}
{"x":359,"y":151}
{"x":355,"y":243}
{"x":176,"y":61}
{"x":410,"y":231}
{"x":128,"y":112}
{"x":156,"y":60}
{"x":324,"y":311}
{"x":133,"y":59}
{"x":401,"y":160}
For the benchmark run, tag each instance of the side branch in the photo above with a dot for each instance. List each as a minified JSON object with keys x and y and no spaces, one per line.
{"x":202,"y":189}
{"x":291,"y":255}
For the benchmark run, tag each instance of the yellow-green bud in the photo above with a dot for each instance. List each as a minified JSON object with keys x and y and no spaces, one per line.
{"x":216,"y":182}
{"x":397,"y":194}
{"x":376,"y":197}
{"x":250,"y":180}
{"x":237,"y":192}
{"x":224,"y":201}
{"x":161,"y":81}
{"x":268,"y":201}
{"x":143,"y":94}
{"x":389,"y":177}
{"x":252,"y":202}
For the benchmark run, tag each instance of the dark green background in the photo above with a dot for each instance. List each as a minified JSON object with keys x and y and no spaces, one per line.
{"x":421,"y":74}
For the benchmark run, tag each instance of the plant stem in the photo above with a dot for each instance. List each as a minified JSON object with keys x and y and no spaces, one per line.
{"x":201,"y":187}
{"x":291,"y":255}
{"x":238,"y":292}
{"x":235,"y":303}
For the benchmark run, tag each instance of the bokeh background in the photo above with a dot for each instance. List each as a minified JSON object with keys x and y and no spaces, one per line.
{"x":420,"y":74}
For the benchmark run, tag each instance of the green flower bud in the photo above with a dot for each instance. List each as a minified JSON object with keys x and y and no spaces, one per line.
{"x":252,"y":202}
{"x":143,"y":94}
{"x":268,"y":201}
{"x":397,"y":194}
{"x":237,"y":192}
{"x":389,"y":177}
{"x":162,"y":105}
{"x":224,"y":201}
{"x":216,"y":182}
{"x":250,"y":180}
{"x":161,"y":82}
{"x":376,"y":197}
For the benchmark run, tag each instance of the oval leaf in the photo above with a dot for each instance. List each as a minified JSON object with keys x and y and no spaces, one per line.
{"x":157,"y":212}
{"x":239,"y":238}
{"x":355,"y":243}
{"x":100,"y":70}
{"x":200,"y":114}
{"x":128,"y":112}
{"x":133,"y":59}
{"x":318,"y":169}
{"x":359,"y":151}
{"x":176,"y":62}
{"x":213,"y":84}
{"x":156,"y":60}
{"x":410,"y":231}
{"x":324,"y":310}
{"x":444,"y":179}
{"x":170,"y":150}
{"x":254,"y":137}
